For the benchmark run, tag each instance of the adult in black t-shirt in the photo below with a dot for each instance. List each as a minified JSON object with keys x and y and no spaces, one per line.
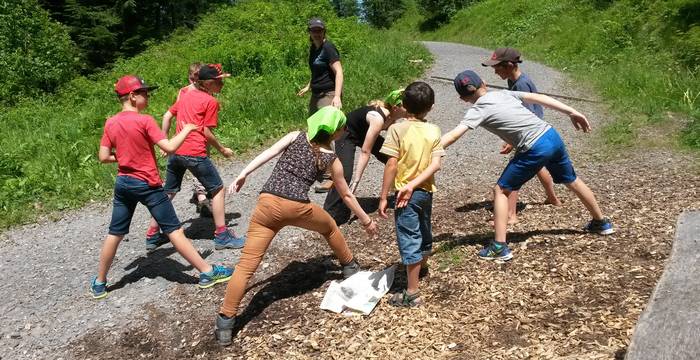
{"x":362,"y":130}
{"x":326,"y":83}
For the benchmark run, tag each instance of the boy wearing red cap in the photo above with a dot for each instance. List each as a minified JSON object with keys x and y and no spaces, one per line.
{"x":536,"y":143}
{"x":199,"y":107}
{"x":128,"y":140}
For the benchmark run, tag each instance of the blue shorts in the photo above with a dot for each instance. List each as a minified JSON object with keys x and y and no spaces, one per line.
{"x":129,"y":191}
{"x":413,"y":230}
{"x":549,"y":152}
{"x":200,"y":166}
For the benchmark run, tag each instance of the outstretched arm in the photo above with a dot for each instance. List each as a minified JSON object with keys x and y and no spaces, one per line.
{"x":169,"y":146}
{"x":349,"y":199}
{"x":213,"y":141}
{"x":261,"y":159}
{"x":579,"y":120}
{"x":375,"y":127}
{"x":453,"y":135}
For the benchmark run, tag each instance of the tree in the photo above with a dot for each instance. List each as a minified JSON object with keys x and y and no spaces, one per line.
{"x":441,"y":11}
{"x":383,"y":13}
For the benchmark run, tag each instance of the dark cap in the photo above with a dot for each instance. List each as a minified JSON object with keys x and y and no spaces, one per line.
{"x":130,"y":83}
{"x":503,"y":54}
{"x":212,"y":71}
{"x":464,"y":80}
{"x":316,"y":23}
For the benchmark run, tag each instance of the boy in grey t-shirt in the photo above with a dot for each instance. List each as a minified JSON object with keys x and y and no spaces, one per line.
{"x":536,"y":143}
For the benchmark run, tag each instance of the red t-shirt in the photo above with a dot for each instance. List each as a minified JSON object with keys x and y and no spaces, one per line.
{"x":173,"y":109}
{"x":133,"y":135}
{"x":195,"y":107}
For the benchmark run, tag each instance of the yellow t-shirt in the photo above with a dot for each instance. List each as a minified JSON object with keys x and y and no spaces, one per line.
{"x":414,"y":143}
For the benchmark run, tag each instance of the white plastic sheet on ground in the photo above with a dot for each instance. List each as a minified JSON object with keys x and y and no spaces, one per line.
{"x":359,"y":293}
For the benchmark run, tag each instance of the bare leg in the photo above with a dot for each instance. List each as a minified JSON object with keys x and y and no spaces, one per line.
{"x":412,"y":273}
{"x":500,"y":213}
{"x":584,"y":193}
{"x":218,"y":208}
{"x":513,"y":207}
{"x":184,"y":247}
{"x":548,"y":185}
{"x":109,"y":249}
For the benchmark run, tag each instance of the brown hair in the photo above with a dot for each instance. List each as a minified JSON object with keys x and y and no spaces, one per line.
{"x":193,"y":71}
{"x":322,"y":138}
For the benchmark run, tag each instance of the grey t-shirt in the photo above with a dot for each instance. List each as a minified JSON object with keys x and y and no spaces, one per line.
{"x":503,"y":114}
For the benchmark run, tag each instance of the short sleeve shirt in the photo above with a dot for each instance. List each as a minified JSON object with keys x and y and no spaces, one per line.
{"x":320,"y":61}
{"x":199,"y":108}
{"x":503,"y":114}
{"x":173,"y":108}
{"x":132,"y":136}
{"x":525,"y":84}
{"x":415,"y":144}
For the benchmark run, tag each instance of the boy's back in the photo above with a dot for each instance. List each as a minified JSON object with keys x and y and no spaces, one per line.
{"x":199,"y":108}
{"x":414,"y":143}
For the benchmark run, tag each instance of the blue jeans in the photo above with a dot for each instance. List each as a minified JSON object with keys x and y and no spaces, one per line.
{"x":128,"y":192}
{"x":413,"y":229}
{"x":200,"y":166}
{"x":548,"y":151}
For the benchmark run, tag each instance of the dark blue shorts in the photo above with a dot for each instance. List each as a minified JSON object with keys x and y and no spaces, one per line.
{"x":128,"y":192}
{"x":200,"y":166}
{"x":413,"y":229}
{"x":549,"y":152}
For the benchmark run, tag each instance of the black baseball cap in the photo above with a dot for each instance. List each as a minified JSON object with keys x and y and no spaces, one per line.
{"x":316,"y":23}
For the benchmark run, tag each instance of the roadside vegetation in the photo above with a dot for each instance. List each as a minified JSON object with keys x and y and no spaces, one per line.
{"x":49,"y":143}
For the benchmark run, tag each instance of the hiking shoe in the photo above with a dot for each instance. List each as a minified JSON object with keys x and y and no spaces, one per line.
{"x":204,"y":208}
{"x":602,"y":227}
{"x":224,"y":329}
{"x":404,"y":299}
{"x":217,"y":275}
{"x":227,"y":240}
{"x":98,"y":290}
{"x":153,"y":242}
{"x":350,"y":269}
{"x":492,"y":252}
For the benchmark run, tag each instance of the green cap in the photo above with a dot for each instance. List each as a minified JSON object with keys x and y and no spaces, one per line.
{"x":328,"y":118}
{"x":394,"y":98}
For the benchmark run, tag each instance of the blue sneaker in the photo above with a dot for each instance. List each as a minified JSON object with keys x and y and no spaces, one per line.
{"x":491,"y":252}
{"x":226,"y":240}
{"x":98,"y":289}
{"x":602,"y":227}
{"x":217,"y":275}
{"x":153,"y":242}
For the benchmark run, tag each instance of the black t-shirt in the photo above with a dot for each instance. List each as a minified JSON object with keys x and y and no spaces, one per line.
{"x":320,"y":60}
{"x":357,"y":125}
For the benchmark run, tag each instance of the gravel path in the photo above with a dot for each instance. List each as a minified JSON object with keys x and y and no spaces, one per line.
{"x":46,"y":266}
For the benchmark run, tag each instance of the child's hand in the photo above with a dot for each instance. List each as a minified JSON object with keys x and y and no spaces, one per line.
{"x":236,"y":185}
{"x":580,"y":122}
{"x":190,"y":127}
{"x":383,"y":204}
{"x":336,"y":102}
{"x":371,"y":228}
{"x":163,"y":153}
{"x":506,"y":148}
{"x":404,"y":196}
{"x":303,"y":90}
{"x":227,"y":152}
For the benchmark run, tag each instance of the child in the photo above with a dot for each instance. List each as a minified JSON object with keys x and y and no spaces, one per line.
{"x":199,"y":107}
{"x":415,"y":155}
{"x":362,"y":130}
{"x":504,"y":62}
{"x":536,"y":143}
{"x":284,"y":200}
{"x":133,"y":135}
{"x":199,"y":193}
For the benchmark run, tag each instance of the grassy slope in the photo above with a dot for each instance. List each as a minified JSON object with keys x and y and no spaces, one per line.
{"x":49,"y":145}
{"x":636,"y":54}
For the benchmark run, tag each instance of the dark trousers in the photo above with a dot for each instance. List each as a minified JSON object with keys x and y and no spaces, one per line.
{"x":345,"y":150}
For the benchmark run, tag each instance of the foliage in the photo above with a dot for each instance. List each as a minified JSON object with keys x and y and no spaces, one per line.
{"x":440,"y":11}
{"x":346,"y":8}
{"x":383,"y":13}
{"x":49,"y":144}
{"x":36,"y":54}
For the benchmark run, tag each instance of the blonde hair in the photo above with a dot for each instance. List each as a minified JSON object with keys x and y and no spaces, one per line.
{"x":378,"y":103}
{"x":193,"y":71}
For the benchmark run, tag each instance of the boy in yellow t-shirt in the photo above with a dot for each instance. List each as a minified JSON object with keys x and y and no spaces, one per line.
{"x":415,"y":155}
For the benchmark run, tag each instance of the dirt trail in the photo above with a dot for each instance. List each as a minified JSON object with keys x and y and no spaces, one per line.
{"x":566,"y":294}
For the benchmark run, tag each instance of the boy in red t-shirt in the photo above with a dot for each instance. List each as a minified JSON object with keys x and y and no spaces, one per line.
{"x":199,"y":193}
{"x":199,"y":107}
{"x":132,"y":136}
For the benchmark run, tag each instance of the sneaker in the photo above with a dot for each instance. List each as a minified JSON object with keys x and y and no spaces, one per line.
{"x":404,"y":299}
{"x":204,"y":208}
{"x":217,"y":275}
{"x":224,"y":329}
{"x":491,"y":253}
{"x":602,"y":227}
{"x":155,"y":241}
{"x":350,"y":269}
{"x":227,"y":240}
{"x":98,"y":290}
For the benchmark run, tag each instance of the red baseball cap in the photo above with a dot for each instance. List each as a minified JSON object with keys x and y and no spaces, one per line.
{"x":130,"y":83}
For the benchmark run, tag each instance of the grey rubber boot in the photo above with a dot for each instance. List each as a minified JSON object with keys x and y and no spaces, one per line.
{"x":224,"y":329}
{"x":350,"y":269}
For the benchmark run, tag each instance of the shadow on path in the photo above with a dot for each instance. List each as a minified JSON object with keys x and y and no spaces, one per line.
{"x":203,"y":227}
{"x":450,"y":241}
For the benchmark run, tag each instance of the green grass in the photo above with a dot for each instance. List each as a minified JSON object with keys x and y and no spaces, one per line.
{"x":640,"y":56}
{"x":49,"y":145}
